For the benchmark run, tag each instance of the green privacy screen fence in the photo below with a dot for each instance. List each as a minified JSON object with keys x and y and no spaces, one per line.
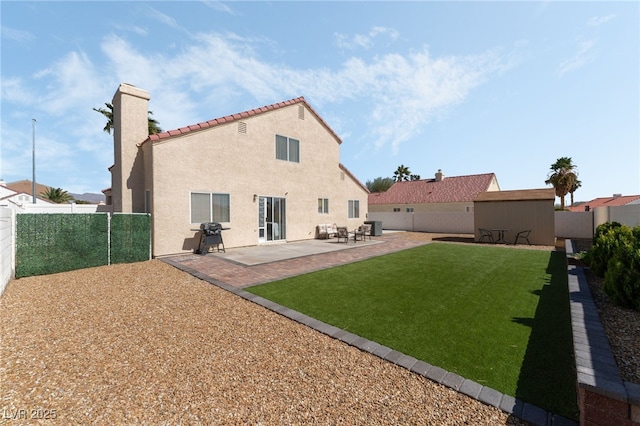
{"x":48,"y":243}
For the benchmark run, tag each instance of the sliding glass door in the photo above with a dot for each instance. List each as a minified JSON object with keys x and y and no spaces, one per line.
{"x":271,"y":219}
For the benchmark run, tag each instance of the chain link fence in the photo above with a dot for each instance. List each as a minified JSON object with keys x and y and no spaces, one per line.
{"x":48,"y":243}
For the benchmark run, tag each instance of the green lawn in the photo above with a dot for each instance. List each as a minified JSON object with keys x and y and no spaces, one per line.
{"x":494,"y":315}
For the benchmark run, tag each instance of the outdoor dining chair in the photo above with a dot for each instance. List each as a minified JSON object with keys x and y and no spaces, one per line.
{"x":342,"y":233}
{"x":523,"y":234}
{"x":485,"y":233}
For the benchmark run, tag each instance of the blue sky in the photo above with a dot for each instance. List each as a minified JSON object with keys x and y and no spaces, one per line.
{"x":466,"y":87}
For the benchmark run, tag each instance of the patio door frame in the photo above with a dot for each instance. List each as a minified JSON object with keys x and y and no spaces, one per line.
{"x":272,"y":219}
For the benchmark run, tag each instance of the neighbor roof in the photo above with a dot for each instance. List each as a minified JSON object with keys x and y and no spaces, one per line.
{"x":452,"y":189}
{"x":518,"y":195}
{"x":620,"y":200}
{"x":26,"y":186}
{"x":239,"y":116}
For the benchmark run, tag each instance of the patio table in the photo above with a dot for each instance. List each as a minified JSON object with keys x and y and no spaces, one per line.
{"x":500,"y":232}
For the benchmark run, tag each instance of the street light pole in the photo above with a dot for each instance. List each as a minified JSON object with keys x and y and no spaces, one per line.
{"x":33,"y":131}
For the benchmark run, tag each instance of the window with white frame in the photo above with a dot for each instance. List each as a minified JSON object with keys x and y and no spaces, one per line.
{"x":323,"y":205}
{"x":409,"y":209}
{"x":209,"y":207}
{"x":287,"y":149}
{"x":354,"y":209}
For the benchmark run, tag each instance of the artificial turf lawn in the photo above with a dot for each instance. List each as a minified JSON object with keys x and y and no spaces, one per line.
{"x":494,"y":315}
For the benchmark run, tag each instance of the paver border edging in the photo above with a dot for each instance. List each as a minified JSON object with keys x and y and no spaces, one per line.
{"x":525,"y":411}
{"x":603,"y":397}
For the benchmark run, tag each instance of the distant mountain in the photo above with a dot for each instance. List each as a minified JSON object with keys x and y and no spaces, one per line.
{"x":89,"y":197}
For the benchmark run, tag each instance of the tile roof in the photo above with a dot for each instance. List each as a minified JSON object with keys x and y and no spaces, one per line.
{"x":620,"y":200}
{"x":26,"y":186}
{"x":452,"y":189}
{"x":239,"y":116}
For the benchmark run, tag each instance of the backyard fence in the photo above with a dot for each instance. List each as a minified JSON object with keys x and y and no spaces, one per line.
{"x":6,"y":247}
{"x":577,"y":225}
{"x":48,"y":243}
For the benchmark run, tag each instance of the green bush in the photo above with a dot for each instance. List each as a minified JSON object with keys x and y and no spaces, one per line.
{"x":615,"y":255}
{"x":622,"y":280}
{"x":605,"y":240}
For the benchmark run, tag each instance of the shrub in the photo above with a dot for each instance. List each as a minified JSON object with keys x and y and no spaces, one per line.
{"x":615,"y":255}
{"x":622,"y":280}
{"x":605,"y":240}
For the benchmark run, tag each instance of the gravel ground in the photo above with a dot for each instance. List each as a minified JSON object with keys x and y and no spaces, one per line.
{"x":145,"y":343}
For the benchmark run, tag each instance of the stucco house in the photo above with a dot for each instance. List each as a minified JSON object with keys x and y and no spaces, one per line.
{"x":267,"y":175}
{"x":17,"y":194}
{"x":440,"y":194}
{"x":614,"y":201}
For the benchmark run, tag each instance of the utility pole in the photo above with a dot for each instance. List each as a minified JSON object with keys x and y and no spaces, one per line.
{"x":33,"y":131}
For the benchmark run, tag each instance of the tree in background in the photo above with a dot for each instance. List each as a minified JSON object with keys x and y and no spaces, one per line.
{"x":379,"y":184}
{"x":402,"y":173}
{"x":57,"y":195}
{"x":564,"y":178}
{"x":574,"y":187}
{"x":108,"y":113}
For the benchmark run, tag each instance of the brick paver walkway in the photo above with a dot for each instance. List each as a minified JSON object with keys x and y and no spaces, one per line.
{"x":231,"y":273}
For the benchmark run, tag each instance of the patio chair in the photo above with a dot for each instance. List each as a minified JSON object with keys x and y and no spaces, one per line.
{"x":523,"y":234}
{"x":342,"y":232}
{"x":485,"y":233}
{"x":365,"y":231}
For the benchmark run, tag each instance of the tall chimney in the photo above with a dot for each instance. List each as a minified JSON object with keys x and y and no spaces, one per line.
{"x":130,"y":127}
{"x":439,"y":175}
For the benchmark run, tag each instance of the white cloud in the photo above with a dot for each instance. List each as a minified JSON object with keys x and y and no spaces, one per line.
{"x":582,"y":57}
{"x":365,"y":41}
{"x":599,"y":20}
{"x":17,"y":35}
{"x":397,"y":93}
{"x":164,"y":18}
{"x":220,"y":7}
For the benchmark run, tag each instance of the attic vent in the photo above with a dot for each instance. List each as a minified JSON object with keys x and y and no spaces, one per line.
{"x":300,"y":112}
{"x":341,"y":175}
{"x":242,"y":127}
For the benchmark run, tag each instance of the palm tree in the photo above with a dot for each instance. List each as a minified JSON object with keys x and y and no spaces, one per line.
{"x":57,"y":195}
{"x":108,"y":112}
{"x":576,"y":184}
{"x":564,"y":178}
{"x":402,"y":173}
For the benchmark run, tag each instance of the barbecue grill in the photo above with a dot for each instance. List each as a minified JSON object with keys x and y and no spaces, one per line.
{"x":210,"y":236}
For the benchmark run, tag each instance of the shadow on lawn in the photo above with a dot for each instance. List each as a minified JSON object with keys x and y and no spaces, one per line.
{"x":548,"y":377}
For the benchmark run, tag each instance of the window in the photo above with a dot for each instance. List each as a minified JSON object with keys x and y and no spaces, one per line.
{"x":396,"y":209}
{"x":209,"y":207}
{"x":323,"y":205}
{"x":354,"y":209}
{"x":409,"y":209}
{"x":287,"y":149}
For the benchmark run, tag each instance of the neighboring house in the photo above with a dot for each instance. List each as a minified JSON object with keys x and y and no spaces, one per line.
{"x":441,"y":194}
{"x":20,"y":193}
{"x":268,"y":175}
{"x":615,"y":201}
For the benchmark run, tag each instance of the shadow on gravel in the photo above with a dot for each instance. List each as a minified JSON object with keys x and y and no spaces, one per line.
{"x":548,"y":376}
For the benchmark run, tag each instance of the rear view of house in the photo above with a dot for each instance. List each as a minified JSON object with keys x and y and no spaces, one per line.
{"x":266,"y":175}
